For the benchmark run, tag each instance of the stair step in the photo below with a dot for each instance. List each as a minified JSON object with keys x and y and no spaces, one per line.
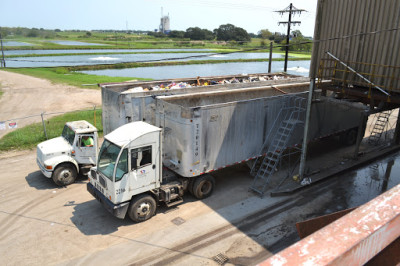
{"x":175,"y":202}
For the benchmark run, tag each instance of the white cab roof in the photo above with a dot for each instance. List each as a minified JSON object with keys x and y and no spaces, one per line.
{"x":129,"y":132}
{"x":81,"y":127}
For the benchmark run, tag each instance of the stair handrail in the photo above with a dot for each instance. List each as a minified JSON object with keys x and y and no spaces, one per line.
{"x":286,"y":98}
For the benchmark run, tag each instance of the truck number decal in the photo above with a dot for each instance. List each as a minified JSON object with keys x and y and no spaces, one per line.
{"x":197,"y":140}
{"x":120,"y":190}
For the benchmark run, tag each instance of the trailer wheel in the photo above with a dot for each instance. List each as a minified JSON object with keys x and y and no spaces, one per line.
{"x":65,"y":174}
{"x":349,"y":137}
{"x":142,"y":208}
{"x":191,"y":184}
{"x":203,"y":186}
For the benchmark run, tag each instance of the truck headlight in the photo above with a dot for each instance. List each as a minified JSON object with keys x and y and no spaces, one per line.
{"x":93,"y":174}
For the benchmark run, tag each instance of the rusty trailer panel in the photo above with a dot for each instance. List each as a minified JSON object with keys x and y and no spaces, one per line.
{"x":310,"y":226}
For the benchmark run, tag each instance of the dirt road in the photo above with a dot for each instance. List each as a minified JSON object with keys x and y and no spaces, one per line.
{"x":28,"y":96}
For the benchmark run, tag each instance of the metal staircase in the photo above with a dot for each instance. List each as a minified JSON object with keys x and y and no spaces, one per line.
{"x":276,"y":142}
{"x":379,"y":127}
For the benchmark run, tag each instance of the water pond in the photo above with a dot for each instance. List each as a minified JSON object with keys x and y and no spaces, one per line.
{"x":76,"y":60}
{"x":15,"y":43}
{"x":82,"y":51}
{"x":300,"y":68}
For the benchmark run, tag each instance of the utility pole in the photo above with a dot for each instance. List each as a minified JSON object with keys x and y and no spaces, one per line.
{"x":3,"y":62}
{"x":291,"y":10}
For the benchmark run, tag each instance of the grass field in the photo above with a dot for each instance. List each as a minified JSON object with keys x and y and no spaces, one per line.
{"x":28,"y":137}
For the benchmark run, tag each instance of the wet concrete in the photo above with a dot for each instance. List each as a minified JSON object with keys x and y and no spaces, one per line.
{"x":341,"y":192}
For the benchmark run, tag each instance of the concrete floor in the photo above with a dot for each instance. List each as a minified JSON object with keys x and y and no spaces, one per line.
{"x":43,"y":224}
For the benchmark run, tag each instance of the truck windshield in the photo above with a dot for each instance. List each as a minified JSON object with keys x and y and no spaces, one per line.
{"x":68,"y":134}
{"x":107,"y":158}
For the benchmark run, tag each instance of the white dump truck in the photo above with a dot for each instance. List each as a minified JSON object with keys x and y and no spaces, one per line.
{"x":185,"y":137}
{"x":73,"y":153}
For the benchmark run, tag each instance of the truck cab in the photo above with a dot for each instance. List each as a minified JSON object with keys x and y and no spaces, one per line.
{"x":129,"y":165}
{"x":73,"y":153}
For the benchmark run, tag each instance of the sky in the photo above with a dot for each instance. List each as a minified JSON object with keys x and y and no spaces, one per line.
{"x":252,"y":15}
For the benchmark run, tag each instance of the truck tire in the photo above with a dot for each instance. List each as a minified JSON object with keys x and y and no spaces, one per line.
{"x":142,"y":208}
{"x":65,"y":174}
{"x":203,"y":186}
{"x":349,"y":137}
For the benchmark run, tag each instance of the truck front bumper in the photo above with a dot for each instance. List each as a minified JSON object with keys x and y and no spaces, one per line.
{"x":43,"y":170}
{"x":118,"y":210}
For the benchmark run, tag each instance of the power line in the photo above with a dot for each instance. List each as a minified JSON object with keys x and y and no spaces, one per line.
{"x":290,"y":10}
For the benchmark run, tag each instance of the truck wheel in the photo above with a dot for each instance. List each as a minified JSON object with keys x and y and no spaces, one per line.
{"x":64,"y":175}
{"x":190,"y":185}
{"x":203,"y":186}
{"x":349,"y":137}
{"x":142,"y":208}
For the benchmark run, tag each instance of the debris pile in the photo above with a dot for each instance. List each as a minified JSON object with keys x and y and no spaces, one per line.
{"x":199,"y":82}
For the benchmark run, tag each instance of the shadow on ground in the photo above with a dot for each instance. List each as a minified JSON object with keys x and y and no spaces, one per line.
{"x":38,"y":181}
{"x":92,"y":219}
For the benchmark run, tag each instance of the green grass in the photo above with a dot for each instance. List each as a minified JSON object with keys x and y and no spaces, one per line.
{"x":296,"y":55}
{"x":64,"y":76}
{"x":28,"y":137}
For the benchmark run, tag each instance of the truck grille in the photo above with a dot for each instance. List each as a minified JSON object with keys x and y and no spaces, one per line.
{"x":102,"y":181}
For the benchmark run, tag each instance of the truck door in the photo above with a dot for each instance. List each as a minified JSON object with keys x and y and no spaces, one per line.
{"x":85,"y":150}
{"x":143,"y":168}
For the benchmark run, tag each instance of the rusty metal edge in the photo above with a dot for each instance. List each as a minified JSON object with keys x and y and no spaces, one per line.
{"x":351,"y":240}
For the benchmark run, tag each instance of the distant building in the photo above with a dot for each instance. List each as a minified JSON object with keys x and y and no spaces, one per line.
{"x":164,"y":25}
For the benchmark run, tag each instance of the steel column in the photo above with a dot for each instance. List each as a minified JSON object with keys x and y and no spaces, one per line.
{"x":306,"y":126}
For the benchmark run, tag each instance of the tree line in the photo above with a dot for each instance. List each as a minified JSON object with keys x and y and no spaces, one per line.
{"x":226,"y":32}
{"x":229,"y":32}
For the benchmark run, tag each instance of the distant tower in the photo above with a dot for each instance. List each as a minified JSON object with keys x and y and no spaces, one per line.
{"x":164,"y":25}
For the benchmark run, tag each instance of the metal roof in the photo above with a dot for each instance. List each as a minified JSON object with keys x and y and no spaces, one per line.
{"x":129,"y":132}
{"x":81,"y":127}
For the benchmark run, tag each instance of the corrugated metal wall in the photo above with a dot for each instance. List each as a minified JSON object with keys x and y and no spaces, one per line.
{"x":350,"y":24}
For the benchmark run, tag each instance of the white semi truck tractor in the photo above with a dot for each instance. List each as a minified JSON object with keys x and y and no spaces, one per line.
{"x":64,"y":157}
{"x":129,"y":177}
